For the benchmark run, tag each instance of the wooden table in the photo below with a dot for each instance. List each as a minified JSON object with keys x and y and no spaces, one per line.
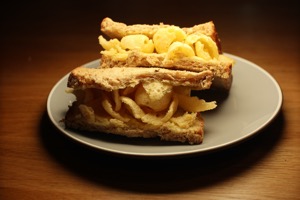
{"x":41,"y":42}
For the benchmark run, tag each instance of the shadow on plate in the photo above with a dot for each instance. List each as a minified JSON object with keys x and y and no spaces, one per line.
{"x":159,"y":175}
{"x":117,"y":139}
{"x":212,"y":95}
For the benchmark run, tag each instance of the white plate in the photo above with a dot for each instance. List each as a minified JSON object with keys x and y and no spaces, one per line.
{"x":253,"y":102}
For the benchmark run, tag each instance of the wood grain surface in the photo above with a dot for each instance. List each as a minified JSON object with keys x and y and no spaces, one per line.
{"x":42,"y":41}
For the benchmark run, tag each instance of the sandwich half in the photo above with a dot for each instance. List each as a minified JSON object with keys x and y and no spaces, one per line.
{"x":139,"y":102}
{"x":196,"y":48}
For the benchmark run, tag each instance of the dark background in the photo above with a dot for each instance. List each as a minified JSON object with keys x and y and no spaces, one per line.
{"x":44,"y":18}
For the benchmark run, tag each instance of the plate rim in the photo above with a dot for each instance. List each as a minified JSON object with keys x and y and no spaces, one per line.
{"x":238,"y":140}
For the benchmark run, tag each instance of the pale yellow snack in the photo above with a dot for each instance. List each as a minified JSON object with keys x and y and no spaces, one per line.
{"x":194,"y":104}
{"x":179,"y":50}
{"x":164,"y":37}
{"x":156,"y":100}
{"x":203,"y":45}
{"x":137,"y":42}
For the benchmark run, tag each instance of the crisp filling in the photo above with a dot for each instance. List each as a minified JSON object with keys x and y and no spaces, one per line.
{"x":171,"y":41}
{"x":151,"y":103}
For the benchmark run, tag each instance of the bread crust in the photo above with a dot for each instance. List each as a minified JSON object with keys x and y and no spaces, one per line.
{"x":221,"y":69}
{"x":110,"y":79}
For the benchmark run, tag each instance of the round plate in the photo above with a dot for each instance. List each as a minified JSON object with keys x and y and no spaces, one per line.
{"x":254,"y":101}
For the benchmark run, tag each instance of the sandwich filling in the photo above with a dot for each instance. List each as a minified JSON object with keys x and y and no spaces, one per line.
{"x":150,"y":103}
{"x":170,"y":42}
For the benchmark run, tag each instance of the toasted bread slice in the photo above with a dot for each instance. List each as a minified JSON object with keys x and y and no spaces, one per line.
{"x":120,"y":78}
{"x":139,"y":102}
{"x":222,"y":69}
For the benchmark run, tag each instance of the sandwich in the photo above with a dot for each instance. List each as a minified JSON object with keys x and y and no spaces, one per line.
{"x":195,"y":49}
{"x":139,"y":102}
{"x":143,"y":85}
